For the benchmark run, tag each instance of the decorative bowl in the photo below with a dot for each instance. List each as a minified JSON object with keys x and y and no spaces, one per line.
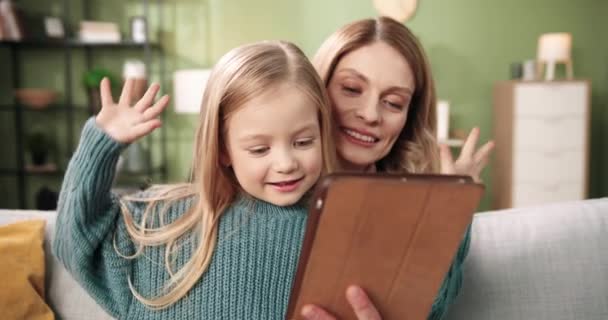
{"x":36,"y":98}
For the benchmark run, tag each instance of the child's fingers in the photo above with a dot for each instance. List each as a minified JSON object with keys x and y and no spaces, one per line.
{"x":105,"y":93}
{"x":148,"y":98}
{"x":125,"y":95}
{"x":155,"y":110}
{"x":144,"y":128}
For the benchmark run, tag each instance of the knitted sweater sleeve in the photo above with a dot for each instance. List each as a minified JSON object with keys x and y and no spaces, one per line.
{"x":89,"y":223}
{"x":453,"y":280}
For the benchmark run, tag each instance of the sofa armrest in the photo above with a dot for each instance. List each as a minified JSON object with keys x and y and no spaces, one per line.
{"x":544,"y":262}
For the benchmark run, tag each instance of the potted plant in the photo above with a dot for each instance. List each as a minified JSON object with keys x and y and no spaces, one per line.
{"x":39,"y":146}
{"x":91,"y":81}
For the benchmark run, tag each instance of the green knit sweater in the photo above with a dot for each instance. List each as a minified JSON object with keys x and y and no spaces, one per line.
{"x":251,"y":272}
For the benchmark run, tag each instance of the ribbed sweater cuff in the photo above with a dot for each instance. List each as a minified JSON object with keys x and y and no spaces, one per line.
{"x":96,"y":156}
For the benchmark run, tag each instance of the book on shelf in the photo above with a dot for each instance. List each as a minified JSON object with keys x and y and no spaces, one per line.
{"x":99,"y":32}
{"x":3,"y":33}
{"x":11,"y":21}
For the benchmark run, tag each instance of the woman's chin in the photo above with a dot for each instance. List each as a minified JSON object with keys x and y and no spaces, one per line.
{"x":353,"y":161}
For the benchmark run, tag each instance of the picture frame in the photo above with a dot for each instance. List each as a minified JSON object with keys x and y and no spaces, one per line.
{"x":53,"y":27}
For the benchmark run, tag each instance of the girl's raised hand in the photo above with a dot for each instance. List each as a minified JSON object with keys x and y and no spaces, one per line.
{"x":470,"y":162}
{"x":126,"y":123}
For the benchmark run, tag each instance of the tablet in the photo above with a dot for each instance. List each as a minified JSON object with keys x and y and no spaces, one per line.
{"x":393,"y":235}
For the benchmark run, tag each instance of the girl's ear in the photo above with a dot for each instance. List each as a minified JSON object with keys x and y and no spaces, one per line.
{"x":225,"y":158}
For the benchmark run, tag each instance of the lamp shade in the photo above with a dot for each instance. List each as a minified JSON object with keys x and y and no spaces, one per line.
{"x":188,"y":88}
{"x":554,"y":47}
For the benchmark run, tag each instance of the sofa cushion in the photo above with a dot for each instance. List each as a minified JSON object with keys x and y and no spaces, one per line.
{"x":65,"y":296}
{"x":545,"y":263}
{"x":22,"y":271}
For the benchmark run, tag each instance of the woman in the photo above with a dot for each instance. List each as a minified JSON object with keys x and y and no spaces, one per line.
{"x":382,"y":93}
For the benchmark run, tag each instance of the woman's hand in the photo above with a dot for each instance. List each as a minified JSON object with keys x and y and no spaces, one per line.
{"x":362,"y":306}
{"x":125,"y":123}
{"x":470,"y":162}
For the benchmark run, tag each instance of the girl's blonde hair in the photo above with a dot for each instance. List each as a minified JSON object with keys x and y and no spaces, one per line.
{"x":416,"y":150}
{"x":239,"y":76}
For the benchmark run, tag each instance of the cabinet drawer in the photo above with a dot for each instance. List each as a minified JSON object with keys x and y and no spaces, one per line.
{"x":527,"y":194}
{"x":550,"y":133}
{"x":548,"y":166}
{"x":542,"y":99}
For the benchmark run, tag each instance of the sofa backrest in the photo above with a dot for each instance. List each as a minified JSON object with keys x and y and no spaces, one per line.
{"x":544,"y":263}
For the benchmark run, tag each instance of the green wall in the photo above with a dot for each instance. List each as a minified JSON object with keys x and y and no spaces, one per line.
{"x":471,"y":44}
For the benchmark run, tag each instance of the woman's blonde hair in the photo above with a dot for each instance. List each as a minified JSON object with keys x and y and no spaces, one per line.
{"x":416,"y":149}
{"x":240,"y":75}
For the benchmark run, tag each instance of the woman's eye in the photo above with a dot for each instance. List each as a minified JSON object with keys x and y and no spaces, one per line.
{"x":351,"y":90}
{"x":258,"y":151}
{"x":394,"y":105}
{"x":303,"y":143}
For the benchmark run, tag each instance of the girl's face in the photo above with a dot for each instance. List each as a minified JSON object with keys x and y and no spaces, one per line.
{"x":370,"y":91}
{"x":274,"y":145}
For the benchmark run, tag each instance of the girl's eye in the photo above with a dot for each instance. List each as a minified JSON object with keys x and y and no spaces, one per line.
{"x":303,"y":143}
{"x":258,"y":151}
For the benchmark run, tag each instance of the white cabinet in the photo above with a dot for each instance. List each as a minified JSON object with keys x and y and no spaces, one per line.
{"x":541,"y":131}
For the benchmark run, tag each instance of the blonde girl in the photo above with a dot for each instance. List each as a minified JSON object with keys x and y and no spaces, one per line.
{"x":225,"y":244}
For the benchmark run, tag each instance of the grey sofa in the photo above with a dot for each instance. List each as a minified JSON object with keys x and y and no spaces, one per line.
{"x":544,"y":263}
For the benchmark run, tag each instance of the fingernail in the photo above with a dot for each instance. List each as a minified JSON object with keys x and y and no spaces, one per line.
{"x":308,"y":312}
{"x":354,"y":292}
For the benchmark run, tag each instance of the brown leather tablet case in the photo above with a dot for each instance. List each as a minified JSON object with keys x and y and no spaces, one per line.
{"x":395,"y":236}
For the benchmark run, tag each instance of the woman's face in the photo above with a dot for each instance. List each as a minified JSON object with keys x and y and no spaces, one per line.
{"x":370,"y":91}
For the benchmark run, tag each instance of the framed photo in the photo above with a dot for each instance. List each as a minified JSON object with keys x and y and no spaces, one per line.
{"x":139,"y":29}
{"x":53,"y":27}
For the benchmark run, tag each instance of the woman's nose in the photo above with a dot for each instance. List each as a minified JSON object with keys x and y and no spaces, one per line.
{"x":369,"y":112}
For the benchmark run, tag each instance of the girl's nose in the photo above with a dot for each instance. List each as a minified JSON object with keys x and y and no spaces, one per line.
{"x":285,"y":162}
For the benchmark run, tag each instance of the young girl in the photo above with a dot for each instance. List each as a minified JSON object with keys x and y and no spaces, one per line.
{"x":226,"y":244}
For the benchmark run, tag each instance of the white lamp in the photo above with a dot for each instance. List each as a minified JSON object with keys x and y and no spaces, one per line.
{"x":554,"y":48}
{"x":188,"y":88}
